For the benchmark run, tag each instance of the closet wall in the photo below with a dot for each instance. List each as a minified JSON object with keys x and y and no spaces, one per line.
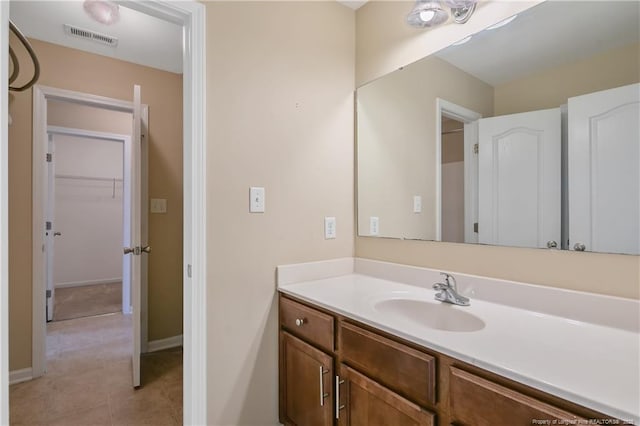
{"x":88,"y":211}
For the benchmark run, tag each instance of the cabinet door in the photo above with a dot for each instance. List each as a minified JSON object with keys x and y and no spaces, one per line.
{"x":476,"y":401}
{"x":361,"y":401}
{"x":306,"y":375}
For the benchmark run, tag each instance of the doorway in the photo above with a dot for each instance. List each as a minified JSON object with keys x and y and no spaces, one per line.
{"x":85,"y":204}
{"x":191,"y":16}
{"x":452,"y":170}
{"x":456,"y":173}
{"x":87,"y":107}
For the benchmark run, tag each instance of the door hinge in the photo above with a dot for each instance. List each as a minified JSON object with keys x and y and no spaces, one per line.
{"x":48,"y":294}
{"x":49,"y":157}
{"x":476,"y":148}
{"x":189,"y":271}
{"x":475,"y":227}
{"x":48,"y":226}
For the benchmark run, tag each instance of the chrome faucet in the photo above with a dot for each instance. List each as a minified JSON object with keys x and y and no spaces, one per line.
{"x":448,"y":292}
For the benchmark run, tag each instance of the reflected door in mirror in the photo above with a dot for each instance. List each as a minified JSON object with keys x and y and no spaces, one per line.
{"x":604,"y":177}
{"x":519,"y":195}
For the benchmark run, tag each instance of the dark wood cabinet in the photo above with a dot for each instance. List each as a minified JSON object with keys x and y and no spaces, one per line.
{"x":306,"y":379}
{"x":405,"y":370}
{"x":476,"y":401}
{"x":364,"y":402}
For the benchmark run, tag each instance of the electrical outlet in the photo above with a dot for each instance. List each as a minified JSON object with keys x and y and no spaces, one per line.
{"x":329,"y":228}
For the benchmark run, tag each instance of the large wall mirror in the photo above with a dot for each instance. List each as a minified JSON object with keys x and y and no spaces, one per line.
{"x":526,"y":134}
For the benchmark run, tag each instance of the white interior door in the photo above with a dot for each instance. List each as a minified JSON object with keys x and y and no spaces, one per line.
{"x":519,"y":179}
{"x":50,"y":227}
{"x":132,"y":265}
{"x":604,"y":177}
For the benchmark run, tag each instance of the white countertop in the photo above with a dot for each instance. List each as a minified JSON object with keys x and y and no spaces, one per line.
{"x":593,"y":365}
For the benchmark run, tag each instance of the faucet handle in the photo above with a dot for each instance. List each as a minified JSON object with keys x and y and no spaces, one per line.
{"x":449,"y":279}
{"x":439,"y":286}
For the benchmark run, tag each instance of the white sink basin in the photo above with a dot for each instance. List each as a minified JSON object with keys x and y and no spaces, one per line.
{"x":436,"y":315}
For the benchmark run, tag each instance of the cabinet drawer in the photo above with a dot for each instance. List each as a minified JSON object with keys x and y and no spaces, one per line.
{"x":308,"y":323}
{"x":481,"y":402}
{"x":409,"y":372}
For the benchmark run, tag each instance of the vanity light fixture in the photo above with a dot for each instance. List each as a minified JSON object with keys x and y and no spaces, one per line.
{"x":104,"y":11}
{"x":429,"y":13}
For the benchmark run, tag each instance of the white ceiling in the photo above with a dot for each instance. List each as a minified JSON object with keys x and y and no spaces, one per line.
{"x":548,"y":35}
{"x":142,"y":39}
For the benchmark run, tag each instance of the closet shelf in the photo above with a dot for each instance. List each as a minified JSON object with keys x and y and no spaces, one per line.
{"x":94,"y":178}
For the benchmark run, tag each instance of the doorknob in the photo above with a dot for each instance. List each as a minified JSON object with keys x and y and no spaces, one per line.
{"x":579,"y":247}
{"x":146,"y":249}
{"x":552,"y":244}
{"x":128,"y":250}
{"x":57,"y":234}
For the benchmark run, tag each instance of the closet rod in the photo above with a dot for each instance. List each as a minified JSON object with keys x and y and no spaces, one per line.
{"x":448,"y":132}
{"x":96,"y":178}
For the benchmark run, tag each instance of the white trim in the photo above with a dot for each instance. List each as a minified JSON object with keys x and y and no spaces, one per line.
{"x":19,"y":376}
{"x":88,"y":282}
{"x":161,"y":344}
{"x":451,"y":110}
{"x":4,"y":213}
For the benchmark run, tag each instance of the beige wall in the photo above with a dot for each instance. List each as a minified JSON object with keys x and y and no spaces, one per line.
{"x":162,"y":91}
{"x":67,"y":114}
{"x":385,"y":44}
{"x":552,"y":88}
{"x":280,"y":81}
{"x":396,"y":143}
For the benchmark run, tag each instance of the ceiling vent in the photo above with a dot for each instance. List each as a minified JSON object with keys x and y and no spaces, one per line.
{"x":90,"y":35}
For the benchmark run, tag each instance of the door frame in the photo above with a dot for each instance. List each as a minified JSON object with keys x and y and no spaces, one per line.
{"x":192,"y":16}
{"x":448,"y":109}
{"x":4,"y":214}
{"x":125,"y":140}
{"x":40,"y":185}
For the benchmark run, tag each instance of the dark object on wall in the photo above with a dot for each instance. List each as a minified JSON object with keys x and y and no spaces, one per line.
{"x":16,"y":65}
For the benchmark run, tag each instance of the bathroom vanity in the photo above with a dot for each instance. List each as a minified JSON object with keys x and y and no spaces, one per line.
{"x":357,"y":347}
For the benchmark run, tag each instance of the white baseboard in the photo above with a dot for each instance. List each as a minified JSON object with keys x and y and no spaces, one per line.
{"x":169,"y":342}
{"x":19,"y":376}
{"x":89,"y":282}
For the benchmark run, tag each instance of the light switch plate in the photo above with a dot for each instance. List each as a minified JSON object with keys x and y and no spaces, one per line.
{"x":256,"y":199}
{"x":374,"y":225}
{"x":158,"y":205}
{"x":329,"y":228}
{"x":417,"y":204}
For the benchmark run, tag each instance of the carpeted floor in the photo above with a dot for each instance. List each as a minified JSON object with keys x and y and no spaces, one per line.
{"x":86,"y":301}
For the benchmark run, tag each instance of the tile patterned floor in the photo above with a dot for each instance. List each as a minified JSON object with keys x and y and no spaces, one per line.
{"x":88,"y":380}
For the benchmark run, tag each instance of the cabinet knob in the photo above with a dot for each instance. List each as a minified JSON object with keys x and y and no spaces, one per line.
{"x":300,"y":321}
